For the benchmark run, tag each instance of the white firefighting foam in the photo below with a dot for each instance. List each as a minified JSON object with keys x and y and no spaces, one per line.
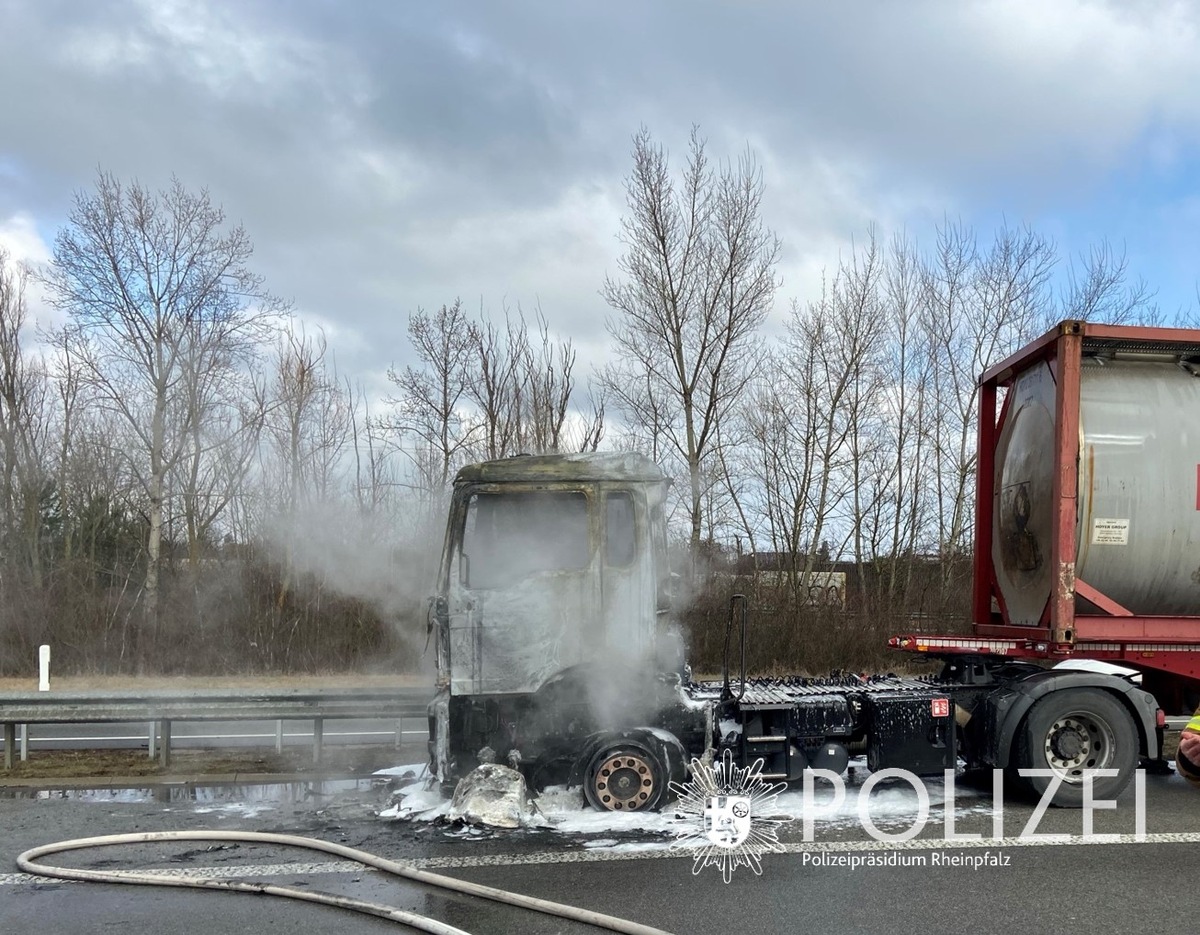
{"x":564,"y":811}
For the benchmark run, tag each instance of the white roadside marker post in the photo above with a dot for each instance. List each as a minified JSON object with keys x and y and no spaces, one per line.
{"x":43,"y":686}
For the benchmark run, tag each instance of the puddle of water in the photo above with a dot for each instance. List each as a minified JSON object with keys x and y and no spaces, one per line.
{"x":216,"y":796}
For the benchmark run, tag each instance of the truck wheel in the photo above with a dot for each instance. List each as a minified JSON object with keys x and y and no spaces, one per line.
{"x":1073,"y":731}
{"x":626,"y":777}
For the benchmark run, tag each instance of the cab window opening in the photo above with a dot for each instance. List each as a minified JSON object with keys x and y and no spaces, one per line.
{"x":509,"y":536}
{"x":620,"y":530}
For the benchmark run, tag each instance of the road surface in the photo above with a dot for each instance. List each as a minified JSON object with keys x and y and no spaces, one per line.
{"x":1031,"y":884}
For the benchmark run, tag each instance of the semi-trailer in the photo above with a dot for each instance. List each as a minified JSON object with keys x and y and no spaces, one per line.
{"x":555,"y":654}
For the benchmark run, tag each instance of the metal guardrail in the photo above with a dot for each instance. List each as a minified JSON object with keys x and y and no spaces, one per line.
{"x":160,"y":708}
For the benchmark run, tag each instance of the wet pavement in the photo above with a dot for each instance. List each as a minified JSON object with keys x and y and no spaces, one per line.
{"x":625,"y":867}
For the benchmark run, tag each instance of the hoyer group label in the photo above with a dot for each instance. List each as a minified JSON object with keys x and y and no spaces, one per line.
{"x":1110,"y":532}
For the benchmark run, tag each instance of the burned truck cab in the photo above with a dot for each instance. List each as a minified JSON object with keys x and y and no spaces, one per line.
{"x":549,"y":619}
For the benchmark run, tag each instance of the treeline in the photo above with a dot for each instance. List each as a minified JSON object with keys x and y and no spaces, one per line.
{"x":188,"y":485}
{"x":854,"y":445}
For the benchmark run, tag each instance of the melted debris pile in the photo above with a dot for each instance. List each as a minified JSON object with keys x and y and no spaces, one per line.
{"x":495,"y":796}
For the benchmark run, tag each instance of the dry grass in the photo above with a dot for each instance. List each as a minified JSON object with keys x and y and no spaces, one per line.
{"x":195,"y":765}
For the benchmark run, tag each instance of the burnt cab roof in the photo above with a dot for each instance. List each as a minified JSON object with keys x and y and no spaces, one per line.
{"x":540,"y":469}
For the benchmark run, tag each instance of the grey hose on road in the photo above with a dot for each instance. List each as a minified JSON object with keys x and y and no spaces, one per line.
{"x":28,"y":863}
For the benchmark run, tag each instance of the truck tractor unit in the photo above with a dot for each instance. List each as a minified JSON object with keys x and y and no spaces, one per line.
{"x":556,"y":653}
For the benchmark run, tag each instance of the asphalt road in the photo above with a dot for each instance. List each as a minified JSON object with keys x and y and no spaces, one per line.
{"x":1029,"y":885}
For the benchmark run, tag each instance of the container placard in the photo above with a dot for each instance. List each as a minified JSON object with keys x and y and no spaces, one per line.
{"x":1110,"y":532}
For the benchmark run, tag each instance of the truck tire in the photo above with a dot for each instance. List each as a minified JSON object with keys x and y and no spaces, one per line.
{"x":1074,"y":730}
{"x":626,"y":776}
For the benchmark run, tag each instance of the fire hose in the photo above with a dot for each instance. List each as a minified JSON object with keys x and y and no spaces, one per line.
{"x":28,"y":862}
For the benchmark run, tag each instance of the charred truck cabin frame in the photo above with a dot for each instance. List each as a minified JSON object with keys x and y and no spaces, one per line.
{"x":554,"y":654}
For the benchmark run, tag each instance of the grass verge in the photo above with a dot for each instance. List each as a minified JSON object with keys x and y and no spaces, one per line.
{"x":187,"y":765}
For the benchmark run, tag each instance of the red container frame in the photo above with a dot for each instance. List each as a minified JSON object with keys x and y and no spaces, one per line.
{"x":1170,"y":643}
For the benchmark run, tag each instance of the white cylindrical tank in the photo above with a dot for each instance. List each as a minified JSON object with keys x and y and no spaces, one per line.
{"x":1138,"y":522}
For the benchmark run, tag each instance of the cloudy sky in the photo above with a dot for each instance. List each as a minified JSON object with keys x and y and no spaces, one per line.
{"x":395,"y":154}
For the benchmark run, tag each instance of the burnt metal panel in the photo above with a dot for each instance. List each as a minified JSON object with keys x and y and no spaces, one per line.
{"x":821,"y":716}
{"x":616,"y":467}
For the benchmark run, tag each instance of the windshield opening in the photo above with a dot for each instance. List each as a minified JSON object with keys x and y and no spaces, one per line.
{"x":509,"y":536}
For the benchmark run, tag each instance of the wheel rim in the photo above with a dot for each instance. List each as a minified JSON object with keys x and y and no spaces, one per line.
{"x":1078,"y":742}
{"x":624,"y":782}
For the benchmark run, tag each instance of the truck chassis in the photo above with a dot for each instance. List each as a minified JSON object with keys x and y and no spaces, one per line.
{"x":980,"y":712}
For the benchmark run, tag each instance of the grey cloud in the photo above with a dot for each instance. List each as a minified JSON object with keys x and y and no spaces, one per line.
{"x":387,"y":155}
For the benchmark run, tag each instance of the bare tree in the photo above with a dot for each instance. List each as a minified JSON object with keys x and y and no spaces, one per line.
{"x":827,"y":381}
{"x":374,"y":478}
{"x":522,"y":386}
{"x":218,"y":451}
{"x":698,"y":280}
{"x":24,"y":481}
{"x":979,"y":307}
{"x":431,"y":397}
{"x":905,"y":390}
{"x":859,"y":327}
{"x":546,"y":374}
{"x":590,"y":432}
{"x":495,"y":383}
{"x":1101,"y":291}
{"x":69,"y":409}
{"x":309,"y":419}
{"x":161,"y":295}
{"x":309,"y":423}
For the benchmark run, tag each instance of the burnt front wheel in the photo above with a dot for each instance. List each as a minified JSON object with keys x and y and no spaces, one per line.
{"x":627,"y":777}
{"x":1071,"y":733}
